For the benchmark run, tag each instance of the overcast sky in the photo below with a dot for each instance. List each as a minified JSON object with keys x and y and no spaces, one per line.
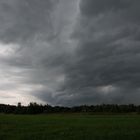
{"x":70,"y":52}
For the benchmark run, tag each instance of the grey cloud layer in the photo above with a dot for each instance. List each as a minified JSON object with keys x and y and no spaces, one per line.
{"x":108,"y":51}
{"x":22,"y":20}
{"x":74,"y":55}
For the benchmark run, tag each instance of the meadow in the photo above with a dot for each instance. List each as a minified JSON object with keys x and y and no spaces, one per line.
{"x":69,"y":127}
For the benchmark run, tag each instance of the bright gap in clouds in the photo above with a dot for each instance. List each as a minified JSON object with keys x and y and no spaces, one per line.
{"x":12,"y":87}
{"x":7,"y":50}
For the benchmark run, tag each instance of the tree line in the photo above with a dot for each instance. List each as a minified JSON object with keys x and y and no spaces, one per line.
{"x":34,"y":108}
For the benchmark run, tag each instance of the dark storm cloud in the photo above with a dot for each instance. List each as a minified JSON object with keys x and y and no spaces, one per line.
{"x":95,"y":7}
{"x":108,"y":53}
{"x":113,"y":57}
{"x":71,"y":52}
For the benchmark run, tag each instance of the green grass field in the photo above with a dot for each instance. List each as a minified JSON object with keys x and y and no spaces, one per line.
{"x":69,"y":127}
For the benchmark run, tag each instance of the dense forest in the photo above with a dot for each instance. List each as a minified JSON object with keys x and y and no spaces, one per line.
{"x":34,"y":108}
